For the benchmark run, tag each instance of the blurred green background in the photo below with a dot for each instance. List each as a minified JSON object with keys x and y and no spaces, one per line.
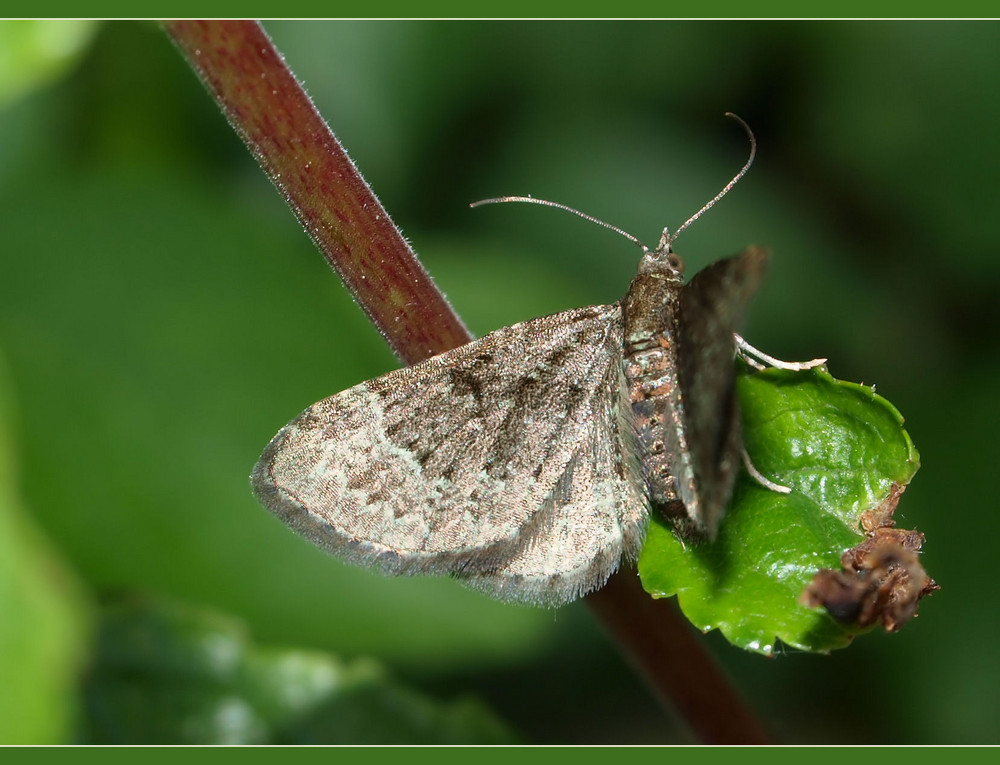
{"x":162,"y":315}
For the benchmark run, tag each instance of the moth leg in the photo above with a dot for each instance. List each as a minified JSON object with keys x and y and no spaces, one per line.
{"x":760,"y":360}
{"x":761,"y":478}
{"x":754,"y":357}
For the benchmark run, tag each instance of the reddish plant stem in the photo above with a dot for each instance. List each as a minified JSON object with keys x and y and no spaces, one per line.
{"x":271,"y":112}
{"x":268,"y":108}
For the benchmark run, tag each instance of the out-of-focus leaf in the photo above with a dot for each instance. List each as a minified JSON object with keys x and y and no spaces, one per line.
{"x":171,"y":674}
{"x":841,"y":449}
{"x":42,"y":616}
{"x":35,"y":52}
{"x":143,"y":391}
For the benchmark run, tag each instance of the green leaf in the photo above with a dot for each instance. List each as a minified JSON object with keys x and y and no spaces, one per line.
{"x":43,"y":617}
{"x":35,"y":52}
{"x":172,"y":674}
{"x":840,"y":448}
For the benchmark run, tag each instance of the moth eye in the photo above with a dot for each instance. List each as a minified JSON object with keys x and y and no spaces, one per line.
{"x":676,"y":262}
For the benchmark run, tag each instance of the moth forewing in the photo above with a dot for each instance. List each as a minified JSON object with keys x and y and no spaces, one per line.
{"x":594,"y":519}
{"x":712,"y":308}
{"x":474,"y":463}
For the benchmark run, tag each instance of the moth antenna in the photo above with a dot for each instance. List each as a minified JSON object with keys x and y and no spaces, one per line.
{"x":667,"y":239}
{"x":727,"y":187}
{"x":567,"y":208}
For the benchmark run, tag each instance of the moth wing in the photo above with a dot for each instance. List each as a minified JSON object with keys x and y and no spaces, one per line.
{"x":595,"y":518}
{"x":438,"y":466}
{"x":712,"y":306}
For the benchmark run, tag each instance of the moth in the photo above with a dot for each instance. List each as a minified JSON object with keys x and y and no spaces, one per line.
{"x":526,"y":463}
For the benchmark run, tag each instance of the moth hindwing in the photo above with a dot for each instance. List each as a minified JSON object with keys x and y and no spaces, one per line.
{"x":526,"y":463}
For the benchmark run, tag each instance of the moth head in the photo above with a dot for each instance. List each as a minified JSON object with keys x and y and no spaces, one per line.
{"x":663,"y":260}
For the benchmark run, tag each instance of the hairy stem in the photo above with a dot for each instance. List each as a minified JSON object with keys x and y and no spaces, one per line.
{"x":271,"y":112}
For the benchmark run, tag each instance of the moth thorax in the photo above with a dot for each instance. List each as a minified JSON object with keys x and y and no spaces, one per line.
{"x":649,"y":311}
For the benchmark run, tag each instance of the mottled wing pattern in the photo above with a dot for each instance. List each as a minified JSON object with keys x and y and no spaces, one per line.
{"x":439,"y":467}
{"x":595,"y":518}
{"x":712,"y":306}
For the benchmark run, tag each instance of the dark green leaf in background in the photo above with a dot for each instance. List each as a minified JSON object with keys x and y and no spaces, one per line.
{"x":164,"y":673}
{"x":43,"y":613}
